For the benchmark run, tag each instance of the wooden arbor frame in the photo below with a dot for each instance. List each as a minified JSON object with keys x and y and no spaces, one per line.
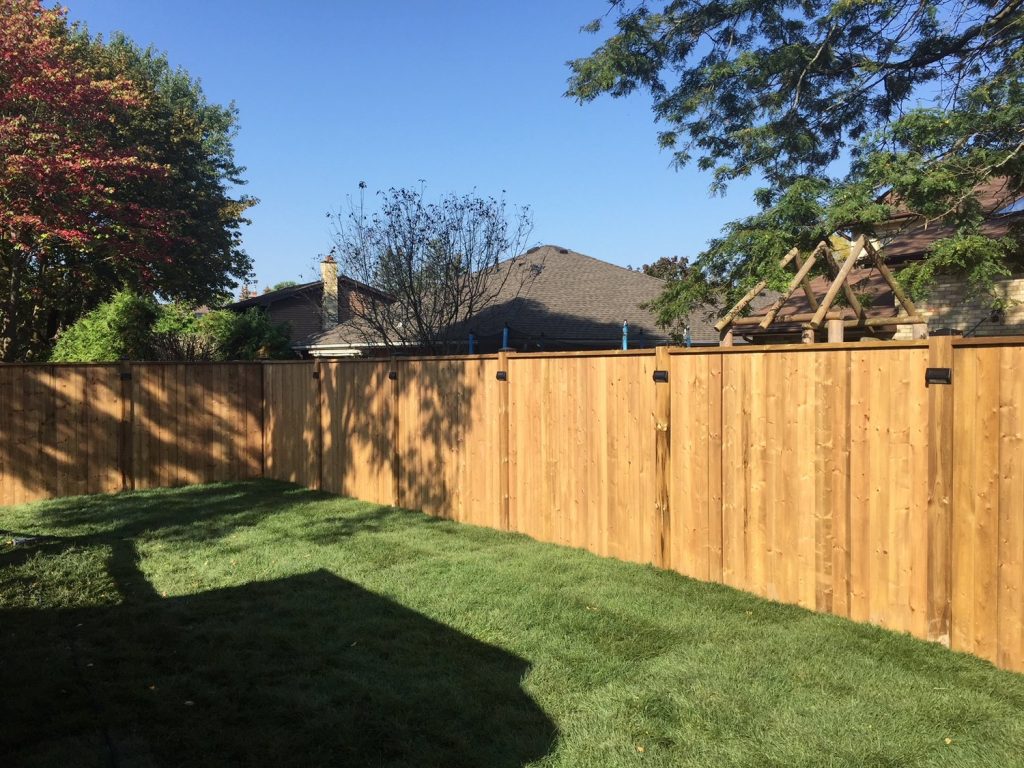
{"x":821,"y":312}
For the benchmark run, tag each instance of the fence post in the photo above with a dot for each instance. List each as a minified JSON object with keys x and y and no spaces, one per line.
{"x":940,"y":493}
{"x":503,"y":466}
{"x":662,"y":455}
{"x":396,"y":459}
{"x":318,"y":374}
{"x":126,"y":458}
{"x":263,"y":418}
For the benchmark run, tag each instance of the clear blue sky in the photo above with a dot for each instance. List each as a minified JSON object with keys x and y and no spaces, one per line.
{"x":462,"y":94}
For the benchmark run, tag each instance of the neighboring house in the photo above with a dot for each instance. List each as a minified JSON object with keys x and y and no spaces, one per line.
{"x":903,"y":240}
{"x":558,"y":300}
{"x":907,"y":239}
{"x":307,"y":308}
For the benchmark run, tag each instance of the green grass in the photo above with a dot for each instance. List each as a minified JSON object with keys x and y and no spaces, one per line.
{"x":260,"y":624}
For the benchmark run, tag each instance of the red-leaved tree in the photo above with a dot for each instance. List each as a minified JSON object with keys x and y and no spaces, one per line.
{"x":78,"y":212}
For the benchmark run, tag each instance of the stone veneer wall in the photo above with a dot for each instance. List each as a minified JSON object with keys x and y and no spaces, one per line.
{"x":946,"y":308}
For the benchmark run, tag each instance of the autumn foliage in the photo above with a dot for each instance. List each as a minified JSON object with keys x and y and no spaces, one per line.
{"x":88,"y":202}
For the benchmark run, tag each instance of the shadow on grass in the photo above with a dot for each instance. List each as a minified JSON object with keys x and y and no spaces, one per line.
{"x":194,"y":512}
{"x":307,"y":670}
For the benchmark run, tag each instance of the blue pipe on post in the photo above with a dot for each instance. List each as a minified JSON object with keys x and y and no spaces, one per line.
{"x":472,"y":343}
{"x":504,"y":337}
{"x":625,"y":335}
{"x":687,"y":338}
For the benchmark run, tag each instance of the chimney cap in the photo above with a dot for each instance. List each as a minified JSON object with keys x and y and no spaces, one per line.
{"x":328,"y":259}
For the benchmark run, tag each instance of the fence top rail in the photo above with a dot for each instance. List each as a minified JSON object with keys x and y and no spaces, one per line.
{"x":649,"y":351}
{"x":851,"y":346}
{"x":956,"y":341}
{"x":988,"y":341}
{"x":430,"y":358}
{"x":117,"y":363}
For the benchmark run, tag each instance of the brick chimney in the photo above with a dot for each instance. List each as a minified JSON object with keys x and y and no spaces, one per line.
{"x":329,"y":303}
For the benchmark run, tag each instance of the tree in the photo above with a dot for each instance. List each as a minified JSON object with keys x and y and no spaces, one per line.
{"x":667,"y":268}
{"x":433,"y":264}
{"x":116,"y":172}
{"x":134,"y":327}
{"x":920,"y":99}
{"x":282,"y":284}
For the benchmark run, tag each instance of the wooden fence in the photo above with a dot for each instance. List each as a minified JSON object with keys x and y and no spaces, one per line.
{"x":829,"y":476}
{"x":73,"y":429}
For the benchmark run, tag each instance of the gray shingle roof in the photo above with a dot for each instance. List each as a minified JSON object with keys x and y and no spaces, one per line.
{"x":560,"y":295}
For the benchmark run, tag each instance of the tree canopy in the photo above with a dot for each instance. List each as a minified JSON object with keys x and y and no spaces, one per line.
{"x":435,"y":263}
{"x":667,"y":268}
{"x":117,"y":172}
{"x":842,"y":107}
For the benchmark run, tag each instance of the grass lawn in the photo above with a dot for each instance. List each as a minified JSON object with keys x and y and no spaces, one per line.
{"x":260,"y":624}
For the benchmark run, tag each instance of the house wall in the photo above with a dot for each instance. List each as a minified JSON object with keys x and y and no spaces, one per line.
{"x":946,"y":307}
{"x":302,"y":313}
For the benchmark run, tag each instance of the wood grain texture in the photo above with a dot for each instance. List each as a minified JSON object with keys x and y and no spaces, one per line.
{"x":292,"y":430}
{"x":582,"y":458}
{"x":829,"y":476}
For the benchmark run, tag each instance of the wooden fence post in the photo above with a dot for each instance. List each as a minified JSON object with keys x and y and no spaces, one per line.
{"x":940,"y":493}
{"x":396,"y":458}
{"x":662,"y":455}
{"x":263,"y":418}
{"x":503,"y":468}
{"x":318,"y":374}
{"x":125,"y":436}
{"x":716,"y":447}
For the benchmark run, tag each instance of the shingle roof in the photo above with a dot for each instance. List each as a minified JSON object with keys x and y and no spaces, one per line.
{"x":268,"y":298}
{"x":557,"y":293}
{"x":560,"y":295}
{"x":908,"y":237}
{"x":353,"y":332}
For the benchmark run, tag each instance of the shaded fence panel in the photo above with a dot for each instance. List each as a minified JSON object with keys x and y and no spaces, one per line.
{"x":74,"y":429}
{"x":196,"y":423}
{"x":581,"y":468}
{"x":61,"y":429}
{"x":447,"y":427}
{"x":358,"y":425}
{"x":292,"y":423}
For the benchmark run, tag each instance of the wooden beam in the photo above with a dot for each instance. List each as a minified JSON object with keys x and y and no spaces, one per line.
{"x":835,"y":331}
{"x":807,"y":335}
{"x":725,"y":338}
{"x":877,"y":322}
{"x":800,"y":277}
{"x":806,"y":282}
{"x":851,"y":297}
{"x":837,"y":283}
{"x":803,"y":317}
{"x":750,"y":295}
{"x":883,"y":270}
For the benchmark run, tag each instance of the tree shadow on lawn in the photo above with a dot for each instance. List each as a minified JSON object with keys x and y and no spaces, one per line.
{"x":190,"y":512}
{"x":307,"y":670}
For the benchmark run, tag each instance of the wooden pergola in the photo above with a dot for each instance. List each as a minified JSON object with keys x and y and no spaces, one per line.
{"x":822,"y":312}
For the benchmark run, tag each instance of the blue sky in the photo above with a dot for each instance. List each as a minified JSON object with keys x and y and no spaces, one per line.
{"x":463,"y":95}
